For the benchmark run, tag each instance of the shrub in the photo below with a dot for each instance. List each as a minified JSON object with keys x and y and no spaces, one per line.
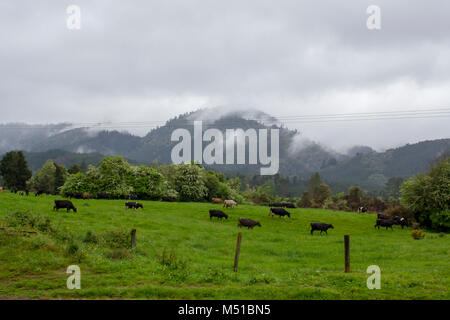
{"x":427,"y":196}
{"x":418,"y":234}
{"x":170,"y":259}
{"x":119,"y":253}
{"x":399,"y":210}
{"x":91,"y":237}
{"x":74,"y":251}
{"x":118,"y":238}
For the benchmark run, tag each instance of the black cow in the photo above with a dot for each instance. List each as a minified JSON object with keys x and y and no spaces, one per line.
{"x":38,"y":193}
{"x":289,"y":205}
{"x":403,"y":222}
{"x":133,"y":205}
{"x":320,"y":226}
{"x":249,"y":223}
{"x":279,"y":212}
{"x":167,"y":199}
{"x":217,"y":213}
{"x":64,"y":204}
{"x":387,"y":223}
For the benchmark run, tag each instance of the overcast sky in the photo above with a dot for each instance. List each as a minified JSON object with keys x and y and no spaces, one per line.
{"x":151,"y":60}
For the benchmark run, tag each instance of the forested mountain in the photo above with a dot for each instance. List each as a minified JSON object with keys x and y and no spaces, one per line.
{"x":372,"y":170}
{"x":299,"y":157}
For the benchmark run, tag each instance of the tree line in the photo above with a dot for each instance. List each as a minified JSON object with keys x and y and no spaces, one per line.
{"x":425,"y":197}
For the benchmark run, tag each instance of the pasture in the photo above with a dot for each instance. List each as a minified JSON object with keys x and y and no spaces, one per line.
{"x":182,"y":254}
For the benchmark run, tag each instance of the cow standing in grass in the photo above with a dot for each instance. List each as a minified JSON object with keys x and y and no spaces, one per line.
{"x":217,"y":200}
{"x":281,"y":212}
{"x":64,"y":204}
{"x":218,"y":214}
{"x":133,"y":205}
{"x":387,"y":223}
{"x":249,"y":223}
{"x":230,"y":204}
{"x":323,"y":227}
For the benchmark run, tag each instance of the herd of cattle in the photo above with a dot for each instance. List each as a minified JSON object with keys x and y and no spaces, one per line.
{"x":276,"y":209}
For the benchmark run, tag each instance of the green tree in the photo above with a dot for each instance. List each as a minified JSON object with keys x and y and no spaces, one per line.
{"x":427,"y":196}
{"x":393,"y":186}
{"x":44,"y":179}
{"x":14,"y":170}
{"x":314,"y":182}
{"x":147,"y":182}
{"x":354,"y":198}
{"x":74,"y":169}
{"x":321,"y":193}
{"x":189,"y":182}
{"x":60,"y":176}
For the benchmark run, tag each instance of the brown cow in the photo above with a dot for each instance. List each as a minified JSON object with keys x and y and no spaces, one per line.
{"x":217,"y":200}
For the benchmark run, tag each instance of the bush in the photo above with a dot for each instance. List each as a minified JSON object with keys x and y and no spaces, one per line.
{"x":418,"y":234}
{"x":118,"y":238}
{"x":91,"y":237}
{"x":119,"y":253}
{"x":427,"y":196}
{"x":74,"y":251}
{"x":170,"y":259}
{"x":399,"y":210}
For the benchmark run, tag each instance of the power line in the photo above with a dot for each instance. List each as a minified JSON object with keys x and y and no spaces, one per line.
{"x":363,"y":116}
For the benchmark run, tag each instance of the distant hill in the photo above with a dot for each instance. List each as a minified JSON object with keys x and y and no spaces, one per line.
{"x":372,"y":170}
{"x":298,"y":156}
{"x":37,"y":159}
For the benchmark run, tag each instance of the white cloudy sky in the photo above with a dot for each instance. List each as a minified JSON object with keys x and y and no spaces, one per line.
{"x":151,"y":60}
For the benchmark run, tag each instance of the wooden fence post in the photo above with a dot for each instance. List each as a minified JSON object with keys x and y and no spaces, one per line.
{"x":238,"y":249}
{"x":347,"y":252}
{"x":133,"y":238}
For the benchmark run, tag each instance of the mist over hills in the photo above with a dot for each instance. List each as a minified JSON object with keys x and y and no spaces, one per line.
{"x":299,"y":156}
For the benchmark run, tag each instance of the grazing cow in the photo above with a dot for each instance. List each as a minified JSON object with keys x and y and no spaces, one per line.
{"x":167,"y":199}
{"x":279,"y":212}
{"x":133,"y":205}
{"x":229,"y":203}
{"x":320,"y":226}
{"x":217,"y":200}
{"x":64,"y":204}
{"x":21,"y":193}
{"x":289,"y":205}
{"x":383,"y":216}
{"x":217,"y":213}
{"x":387,"y":223}
{"x":249,"y":223}
{"x":403,"y":222}
{"x":38,"y":193}
{"x":362,"y":209}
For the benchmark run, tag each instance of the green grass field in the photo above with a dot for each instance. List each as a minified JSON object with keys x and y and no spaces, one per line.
{"x":280,"y":260}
